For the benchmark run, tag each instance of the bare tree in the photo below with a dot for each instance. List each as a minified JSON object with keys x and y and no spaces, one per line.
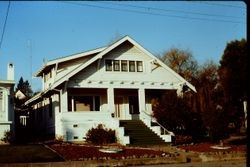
{"x":182,"y":62}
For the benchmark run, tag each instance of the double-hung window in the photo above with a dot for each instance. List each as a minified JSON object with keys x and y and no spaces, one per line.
{"x":131,"y":66}
{"x":116,"y":64}
{"x":124,"y":64}
{"x":108,"y":64}
{"x":139,"y":66}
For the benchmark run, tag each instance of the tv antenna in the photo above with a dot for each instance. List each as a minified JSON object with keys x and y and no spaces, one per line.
{"x":29,"y":43}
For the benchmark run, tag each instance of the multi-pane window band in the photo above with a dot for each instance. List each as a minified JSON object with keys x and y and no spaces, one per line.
{"x":116,"y":65}
{"x":124,"y":64}
{"x":139,"y":66}
{"x":108,"y":64}
{"x":131,"y":66}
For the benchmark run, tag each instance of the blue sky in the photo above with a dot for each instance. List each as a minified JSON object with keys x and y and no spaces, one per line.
{"x":47,"y":30}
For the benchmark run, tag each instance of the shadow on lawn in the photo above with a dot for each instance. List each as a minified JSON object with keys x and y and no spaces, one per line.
{"x":27,"y":153}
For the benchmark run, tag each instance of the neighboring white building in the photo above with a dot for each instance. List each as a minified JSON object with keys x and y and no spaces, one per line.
{"x":7,"y":102}
{"x":104,"y":85}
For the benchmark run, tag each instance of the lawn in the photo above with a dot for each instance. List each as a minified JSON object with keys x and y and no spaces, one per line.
{"x":27,"y":153}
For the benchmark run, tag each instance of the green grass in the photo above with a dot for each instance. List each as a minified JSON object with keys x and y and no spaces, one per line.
{"x":27,"y":153}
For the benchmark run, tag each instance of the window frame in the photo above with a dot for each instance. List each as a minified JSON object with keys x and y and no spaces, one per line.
{"x":124,"y":65}
{"x":132,"y":66}
{"x":108,"y":65}
{"x":94,"y":105}
{"x":116,"y":65}
{"x":139,"y":66}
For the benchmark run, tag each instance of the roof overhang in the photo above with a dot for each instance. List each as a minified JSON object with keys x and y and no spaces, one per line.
{"x":51,"y":63}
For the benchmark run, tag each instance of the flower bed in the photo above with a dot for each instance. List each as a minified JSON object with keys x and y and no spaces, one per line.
{"x":74,"y":152}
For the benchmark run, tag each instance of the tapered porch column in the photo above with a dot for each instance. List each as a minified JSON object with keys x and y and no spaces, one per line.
{"x":111,"y":100}
{"x":142,"y":101}
{"x":64,"y":101}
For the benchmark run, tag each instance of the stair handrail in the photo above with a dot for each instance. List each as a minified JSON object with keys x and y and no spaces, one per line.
{"x":155,"y":121}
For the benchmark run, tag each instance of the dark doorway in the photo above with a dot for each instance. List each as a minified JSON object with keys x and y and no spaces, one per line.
{"x":133,"y":105}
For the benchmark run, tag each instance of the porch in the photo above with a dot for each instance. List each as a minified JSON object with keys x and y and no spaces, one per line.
{"x":86,"y":108}
{"x":122,"y":104}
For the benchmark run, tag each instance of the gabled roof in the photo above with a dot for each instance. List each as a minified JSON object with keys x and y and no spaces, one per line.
{"x":107,"y":50}
{"x":67,"y":58}
{"x":99,"y":54}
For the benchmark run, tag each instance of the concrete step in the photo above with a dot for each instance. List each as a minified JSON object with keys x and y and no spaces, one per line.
{"x":140,"y":134}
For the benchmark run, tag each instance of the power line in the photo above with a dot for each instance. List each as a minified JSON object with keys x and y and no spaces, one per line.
{"x":169,"y":10}
{"x":156,"y":14}
{"x":219,"y":4}
{"x":4,"y":26}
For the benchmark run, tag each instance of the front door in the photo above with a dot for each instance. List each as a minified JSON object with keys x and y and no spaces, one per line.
{"x":119,"y":111}
{"x":134,"y":107}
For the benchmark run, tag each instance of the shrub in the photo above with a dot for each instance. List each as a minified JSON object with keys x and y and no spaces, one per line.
{"x":7,"y":137}
{"x":101,"y":135}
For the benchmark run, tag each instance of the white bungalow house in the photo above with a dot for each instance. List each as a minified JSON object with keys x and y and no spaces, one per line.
{"x":7,"y":102}
{"x":106,"y":85}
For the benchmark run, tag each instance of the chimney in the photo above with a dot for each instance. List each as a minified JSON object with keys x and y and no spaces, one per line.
{"x":10,"y":72}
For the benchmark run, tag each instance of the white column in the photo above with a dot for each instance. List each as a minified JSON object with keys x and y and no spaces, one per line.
{"x":111,"y":100}
{"x":142,"y":100}
{"x":245,"y":111}
{"x":64,"y":101}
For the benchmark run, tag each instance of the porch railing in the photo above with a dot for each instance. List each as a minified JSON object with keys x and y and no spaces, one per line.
{"x":164,"y":131}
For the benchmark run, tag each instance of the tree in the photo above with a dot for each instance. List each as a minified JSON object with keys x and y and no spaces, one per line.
{"x":176,"y":116}
{"x":24,"y":87}
{"x":233,"y":70}
{"x":205,"y":83}
{"x":182,"y":62}
{"x":233,"y":79}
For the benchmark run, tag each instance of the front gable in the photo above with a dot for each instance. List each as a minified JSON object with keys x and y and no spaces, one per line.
{"x":148,"y":71}
{"x":151,"y":73}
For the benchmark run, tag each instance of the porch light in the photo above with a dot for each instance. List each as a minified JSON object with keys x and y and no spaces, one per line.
{"x":122,"y":82}
{"x":111,"y":82}
{"x":100,"y":82}
{"x":142,"y":83}
{"x":89,"y":82}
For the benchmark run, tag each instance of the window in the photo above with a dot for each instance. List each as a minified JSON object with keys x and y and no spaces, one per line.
{"x":116,"y":65}
{"x":124,"y":65}
{"x":108,"y":64}
{"x":97,"y":103}
{"x":83,"y":103}
{"x":131,"y":66}
{"x":139,"y":66}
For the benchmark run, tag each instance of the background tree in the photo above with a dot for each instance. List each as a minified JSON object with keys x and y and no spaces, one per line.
{"x":182,"y":62}
{"x":24,"y":87}
{"x":233,"y":79}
